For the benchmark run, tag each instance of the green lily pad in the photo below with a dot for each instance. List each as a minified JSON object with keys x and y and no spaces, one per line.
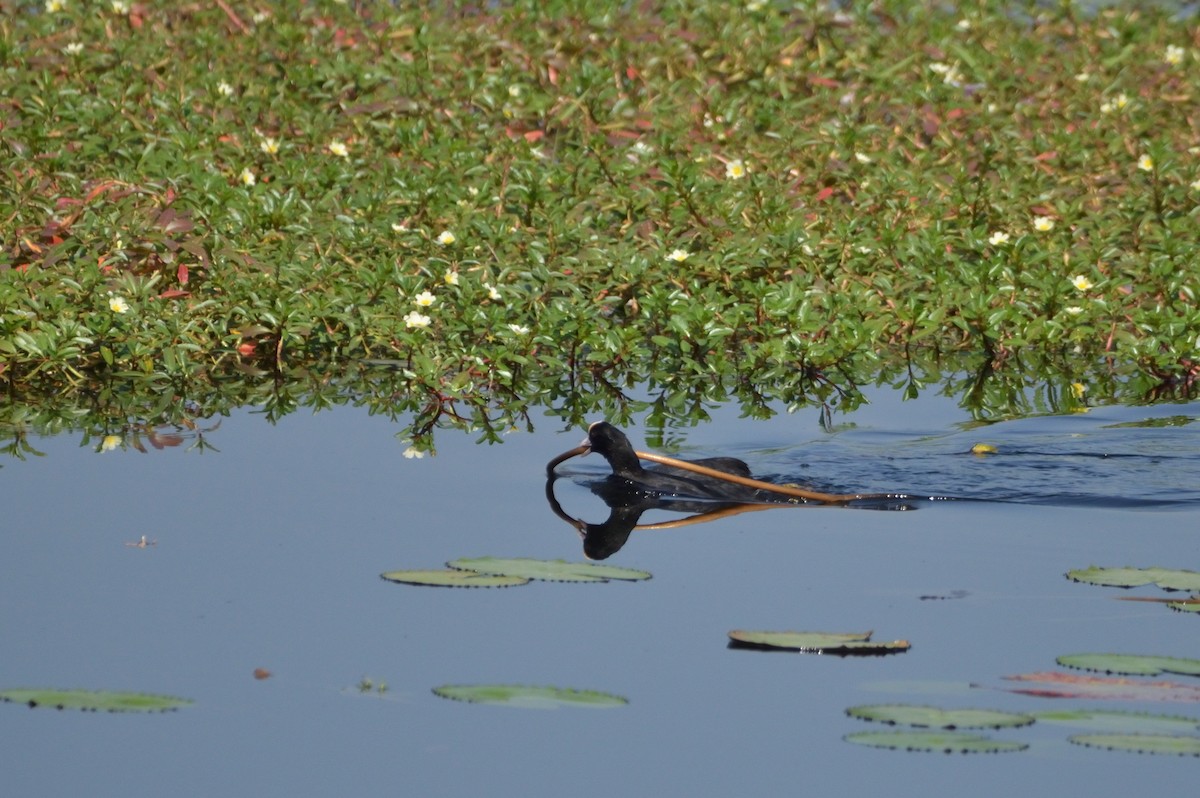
{"x":453,"y":578}
{"x":935,"y":718}
{"x":816,"y":642}
{"x":529,"y":697}
{"x":949,"y":742}
{"x":547,"y":570}
{"x":1165,"y":578}
{"x":1141,"y":743}
{"x":1185,"y":606}
{"x":1118,"y":721}
{"x":1131,"y":664}
{"x":94,"y":700}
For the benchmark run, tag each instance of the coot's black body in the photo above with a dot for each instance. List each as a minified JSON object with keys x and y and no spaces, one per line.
{"x":629,"y":475}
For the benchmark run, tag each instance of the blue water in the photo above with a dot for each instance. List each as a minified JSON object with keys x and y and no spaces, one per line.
{"x":268,"y":553}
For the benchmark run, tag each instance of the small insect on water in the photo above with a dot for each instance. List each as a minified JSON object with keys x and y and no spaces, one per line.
{"x":141,"y":544}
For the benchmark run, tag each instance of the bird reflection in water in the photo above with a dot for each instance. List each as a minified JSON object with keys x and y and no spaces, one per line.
{"x":706,"y":489}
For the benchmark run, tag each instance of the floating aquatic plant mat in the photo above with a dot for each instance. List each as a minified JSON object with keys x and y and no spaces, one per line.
{"x":842,"y":643}
{"x":529,"y":697}
{"x":1131,"y":664}
{"x":513,"y":571}
{"x":94,"y":700}
{"x":1166,"y":578}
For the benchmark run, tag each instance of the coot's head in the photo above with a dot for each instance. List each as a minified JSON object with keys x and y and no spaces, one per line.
{"x":611,"y":444}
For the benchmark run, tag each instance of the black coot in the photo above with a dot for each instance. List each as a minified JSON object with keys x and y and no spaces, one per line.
{"x":611,"y":444}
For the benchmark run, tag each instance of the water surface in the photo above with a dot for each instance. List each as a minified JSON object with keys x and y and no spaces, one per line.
{"x":268,"y":553}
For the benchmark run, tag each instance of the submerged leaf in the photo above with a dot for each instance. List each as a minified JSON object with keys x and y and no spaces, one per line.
{"x":547,"y":570}
{"x":817,"y":642}
{"x":453,"y":578}
{"x":934,"y":718}
{"x":1141,"y":743}
{"x":949,"y":742}
{"x":94,"y":700}
{"x":1131,"y":664}
{"x":528,"y":697}
{"x":1117,"y":721}
{"x":1165,"y":578}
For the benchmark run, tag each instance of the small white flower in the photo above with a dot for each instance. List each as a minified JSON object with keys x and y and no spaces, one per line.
{"x":339,"y":148}
{"x":260,"y":17}
{"x":446,"y":238}
{"x":119,"y":7}
{"x":397,"y":227}
{"x":1195,"y":185}
{"x":224,"y":89}
{"x":1174,"y":54}
{"x":1080,"y":282}
{"x":963,"y":24}
{"x":1083,"y":77}
{"x":679,"y":255}
{"x":424,"y":299}
{"x":413,"y":454}
{"x":55,"y":6}
{"x":514,"y":91}
{"x":735,"y":170}
{"x":450,"y":278}
{"x":415,"y":320}
{"x":862,"y":157}
{"x":1146,"y":163}
{"x":247,"y":177}
{"x":269,"y":145}
{"x":118,"y":304}
{"x":519,"y":329}
{"x":1074,"y":310}
{"x":997,"y":238}
{"x":491,"y":291}
{"x":74,"y":48}
{"x":1043,"y":224}
{"x":111,"y":442}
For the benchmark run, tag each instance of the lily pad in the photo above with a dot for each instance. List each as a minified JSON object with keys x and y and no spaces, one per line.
{"x":815,"y":642}
{"x":1131,"y":664}
{"x":949,"y":742}
{"x":547,"y":570}
{"x":1117,"y":721}
{"x":453,"y":578}
{"x":934,"y":718}
{"x":1141,"y":743}
{"x":94,"y":700}
{"x":529,"y":697}
{"x":1165,"y":578}
{"x":1185,"y":606}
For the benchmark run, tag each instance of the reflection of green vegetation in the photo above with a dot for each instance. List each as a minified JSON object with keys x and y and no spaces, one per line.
{"x":197,"y":221}
{"x":1168,"y":421}
{"x":949,"y":742}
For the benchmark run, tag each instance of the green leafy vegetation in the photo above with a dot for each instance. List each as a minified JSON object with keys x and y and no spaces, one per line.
{"x":1166,"y":578}
{"x":452,"y":578}
{"x":548,"y":570}
{"x":93,"y":700}
{"x":816,"y":642}
{"x":457,"y":215}
{"x":935,"y":718}
{"x":1131,"y":664}
{"x":947,"y":742}
{"x":1141,"y":743}
{"x":529,"y":697}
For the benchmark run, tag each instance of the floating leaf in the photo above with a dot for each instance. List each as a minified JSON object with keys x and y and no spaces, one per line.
{"x":816,"y":642}
{"x":1165,"y":578}
{"x":453,"y":578}
{"x":1125,"y":722}
{"x":949,"y":742}
{"x":1131,"y":664}
{"x":94,"y":700}
{"x":1052,"y":684}
{"x":548,"y":570}
{"x":1190,"y":605}
{"x":528,"y":697}
{"x":1141,"y":743}
{"x":934,"y":718}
